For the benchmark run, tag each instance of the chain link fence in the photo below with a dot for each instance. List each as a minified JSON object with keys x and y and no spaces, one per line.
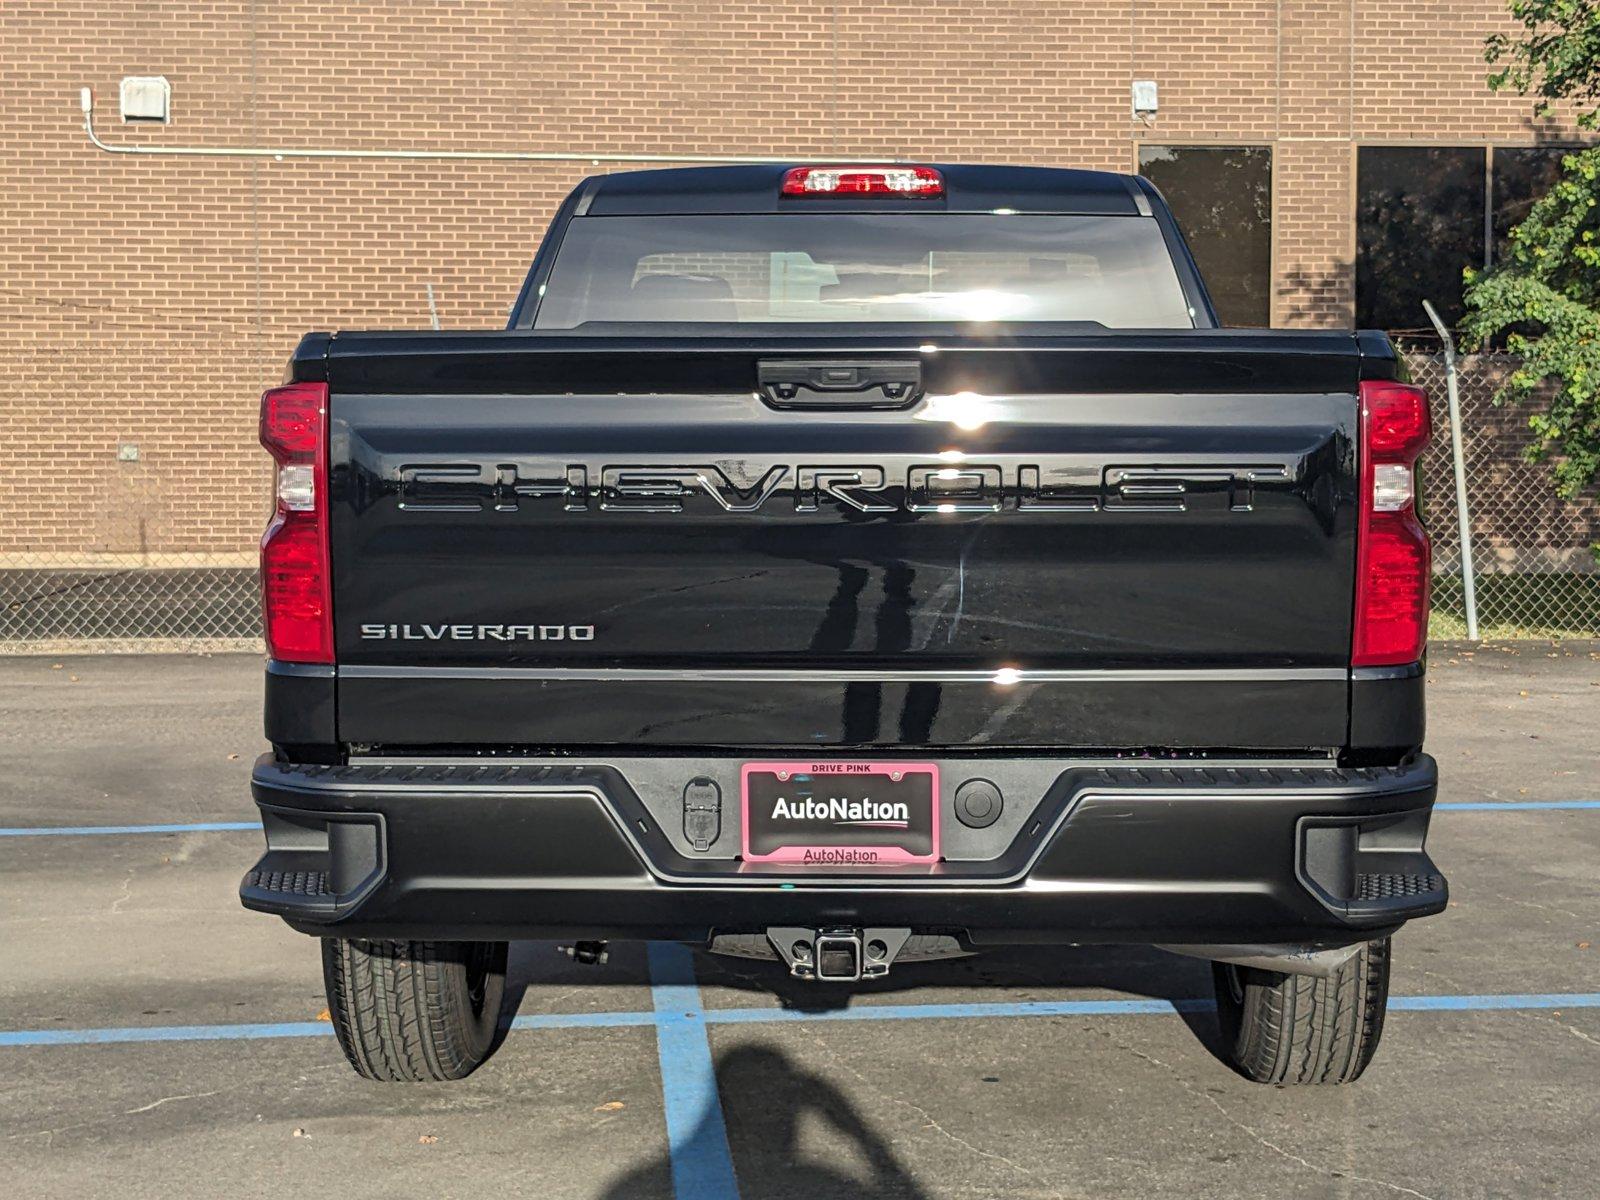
{"x":136,"y":531}
{"x":129,"y":607}
{"x":1534,"y":554}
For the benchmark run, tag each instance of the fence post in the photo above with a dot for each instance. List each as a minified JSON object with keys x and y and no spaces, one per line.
{"x":1462,"y":516}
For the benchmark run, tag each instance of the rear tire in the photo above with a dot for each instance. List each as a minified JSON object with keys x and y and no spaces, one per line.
{"x":411,"y":1012}
{"x":1291,"y":1030}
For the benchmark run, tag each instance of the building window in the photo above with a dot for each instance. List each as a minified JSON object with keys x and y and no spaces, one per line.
{"x":1419,"y":224}
{"x":1221,"y":197}
{"x":1420,"y":220}
{"x":1522,"y":174}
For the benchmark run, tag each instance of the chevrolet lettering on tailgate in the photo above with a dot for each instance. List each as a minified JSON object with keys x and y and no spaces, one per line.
{"x":942,"y":487}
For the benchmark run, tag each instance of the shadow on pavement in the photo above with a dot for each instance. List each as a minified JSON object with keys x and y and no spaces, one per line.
{"x":1009,"y":974}
{"x":766,"y":1097}
{"x":1027,"y":973}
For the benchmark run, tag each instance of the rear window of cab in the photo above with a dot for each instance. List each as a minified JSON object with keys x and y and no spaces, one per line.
{"x":867,"y":268}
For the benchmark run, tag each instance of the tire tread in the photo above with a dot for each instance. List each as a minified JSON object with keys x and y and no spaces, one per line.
{"x":402,"y":1010}
{"x":1301,"y":1029}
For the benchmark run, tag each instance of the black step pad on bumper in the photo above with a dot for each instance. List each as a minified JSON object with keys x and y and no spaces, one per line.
{"x":1397,"y":887}
{"x":319,"y":864}
{"x":291,"y":883}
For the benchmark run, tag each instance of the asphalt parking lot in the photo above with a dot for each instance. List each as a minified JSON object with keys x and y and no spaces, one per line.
{"x":156,"y":1040}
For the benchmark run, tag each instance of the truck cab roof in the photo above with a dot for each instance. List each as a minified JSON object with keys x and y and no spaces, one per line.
{"x":967,"y":188}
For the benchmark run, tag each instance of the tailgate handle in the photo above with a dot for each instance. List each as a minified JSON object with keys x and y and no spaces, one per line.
{"x":839,"y":383}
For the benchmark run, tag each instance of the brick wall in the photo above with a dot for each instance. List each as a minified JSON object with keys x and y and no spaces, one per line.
{"x":147,"y":301}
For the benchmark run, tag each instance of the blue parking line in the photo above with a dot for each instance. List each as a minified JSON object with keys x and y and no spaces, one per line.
{"x":1513,"y":1001}
{"x":117,"y":830}
{"x":282,"y":1029}
{"x":164,"y":1033}
{"x":1120,"y":1008}
{"x":1514,"y":805}
{"x":702,"y":1166}
{"x":679,"y":1012}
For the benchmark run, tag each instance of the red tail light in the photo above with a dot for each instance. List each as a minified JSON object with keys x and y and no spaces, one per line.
{"x":908,"y":182}
{"x":1393,"y":562}
{"x":296,"y":591}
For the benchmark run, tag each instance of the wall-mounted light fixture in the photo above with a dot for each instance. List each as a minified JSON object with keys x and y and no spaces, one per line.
{"x":146,"y":98}
{"x":1146,"y":101}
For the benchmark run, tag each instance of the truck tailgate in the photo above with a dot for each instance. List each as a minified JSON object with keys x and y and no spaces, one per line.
{"x":1106,"y":542}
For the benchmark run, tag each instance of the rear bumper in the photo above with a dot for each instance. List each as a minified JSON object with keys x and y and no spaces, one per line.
{"x":1110,"y":854}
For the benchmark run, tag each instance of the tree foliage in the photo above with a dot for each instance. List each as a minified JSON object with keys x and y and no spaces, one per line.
{"x":1542,"y":301}
{"x":1555,"y":57}
{"x":1543,"y":304}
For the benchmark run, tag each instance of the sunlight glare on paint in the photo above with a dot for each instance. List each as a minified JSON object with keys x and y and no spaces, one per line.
{"x":965,"y":410}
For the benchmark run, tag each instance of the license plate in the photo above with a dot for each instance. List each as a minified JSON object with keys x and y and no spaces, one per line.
{"x":841,"y":814}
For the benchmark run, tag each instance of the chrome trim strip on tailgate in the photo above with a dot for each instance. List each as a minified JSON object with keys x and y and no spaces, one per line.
{"x":1003,"y":676}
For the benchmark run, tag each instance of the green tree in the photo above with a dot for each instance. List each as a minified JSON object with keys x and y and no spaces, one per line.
{"x":1542,"y":301}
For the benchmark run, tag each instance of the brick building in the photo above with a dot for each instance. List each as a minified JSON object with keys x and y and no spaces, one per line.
{"x":1329,"y":157}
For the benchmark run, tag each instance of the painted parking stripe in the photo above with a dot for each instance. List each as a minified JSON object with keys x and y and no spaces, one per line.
{"x":1514,"y":805}
{"x":670,"y":1014}
{"x":247,"y":826}
{"x":1117,"y":1008}
{"x":702,"y":1167}
{"x":1479,"y":1003}
{"x":164,"y":1033}
{"x":120,"y":830}
{"x":283,"y":1029}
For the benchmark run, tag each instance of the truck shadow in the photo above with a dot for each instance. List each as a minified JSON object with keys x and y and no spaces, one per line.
{"x":1037,"y":973}
{"x":1010,"y":974}
{"x":791,"y":1134}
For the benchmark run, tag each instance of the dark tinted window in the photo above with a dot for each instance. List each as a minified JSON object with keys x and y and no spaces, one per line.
{"x":1522,"y":174}
{"x":1419,"y":223}
{"x":1222,"y":199}
{"x":864,"y":268}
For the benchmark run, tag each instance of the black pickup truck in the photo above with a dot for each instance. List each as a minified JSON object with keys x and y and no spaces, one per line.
{"x":849,"y":564}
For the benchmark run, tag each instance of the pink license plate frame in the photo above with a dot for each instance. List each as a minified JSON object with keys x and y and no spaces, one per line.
{"x":831,"y":854}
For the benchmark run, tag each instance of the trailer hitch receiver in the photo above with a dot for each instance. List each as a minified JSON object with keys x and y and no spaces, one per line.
{"x":837,"y":954}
